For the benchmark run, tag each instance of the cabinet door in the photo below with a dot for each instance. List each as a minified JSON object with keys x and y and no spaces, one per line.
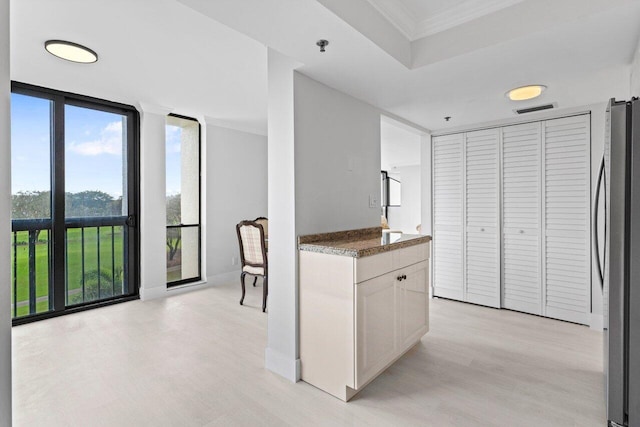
{"x":375,"y":326}
{"x":412,"y":304}
{"x":448,"y":168}
{"x":482,"y":247}
{"x":567,"y":267}
{"x":521,"y":206}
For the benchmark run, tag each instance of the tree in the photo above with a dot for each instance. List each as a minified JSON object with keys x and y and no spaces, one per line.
{"x":174,"y":217}
{"x":31,"y":205}
{"x":92,"y":203}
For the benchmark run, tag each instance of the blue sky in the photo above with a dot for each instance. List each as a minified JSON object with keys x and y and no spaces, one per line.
{"x":93,"y":149}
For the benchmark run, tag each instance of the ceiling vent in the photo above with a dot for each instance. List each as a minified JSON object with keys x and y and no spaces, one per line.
{"x":534,"y":109}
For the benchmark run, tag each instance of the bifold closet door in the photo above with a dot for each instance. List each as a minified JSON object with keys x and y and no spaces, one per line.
{"x":482,"y":242}
{"x":521,"y":212}
{"x":567,"y":267}
{"x":448,"y":170}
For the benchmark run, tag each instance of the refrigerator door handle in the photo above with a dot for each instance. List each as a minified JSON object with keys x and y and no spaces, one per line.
{"x":596,"y":243}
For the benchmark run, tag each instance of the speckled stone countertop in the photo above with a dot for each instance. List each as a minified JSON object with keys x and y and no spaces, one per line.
{"x":359,"y":243}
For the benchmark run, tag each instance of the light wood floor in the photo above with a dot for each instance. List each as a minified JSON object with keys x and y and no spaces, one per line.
{"x":196,"y":359}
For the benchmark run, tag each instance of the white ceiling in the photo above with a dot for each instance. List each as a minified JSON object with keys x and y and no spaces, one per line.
{"x":160,"y":53}
{"x":208,"y":58}
{"x":420,"y":18}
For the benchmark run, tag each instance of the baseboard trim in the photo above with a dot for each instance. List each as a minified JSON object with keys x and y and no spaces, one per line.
{"x":282,"y":365}
{"x":224,"y":278}
{"x":596,"y":322}
{"x":147,"y":294}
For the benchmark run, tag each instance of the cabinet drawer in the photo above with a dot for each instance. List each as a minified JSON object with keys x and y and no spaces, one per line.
{"x":376,"y":265}
{"x":408,"y":256}
{"x":373,"y":266}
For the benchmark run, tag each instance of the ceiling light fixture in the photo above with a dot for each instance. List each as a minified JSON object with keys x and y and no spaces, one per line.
{"x":71,"y":51}
{"x":525,"y":92}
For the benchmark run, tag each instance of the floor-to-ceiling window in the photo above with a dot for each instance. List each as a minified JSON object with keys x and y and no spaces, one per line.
{"x":74,"y":202}
{"x":183,"y":199}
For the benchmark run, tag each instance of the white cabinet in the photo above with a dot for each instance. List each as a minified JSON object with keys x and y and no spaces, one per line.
{"x":391,"y":316}
{"x":512,"y":217}
{"x":357,"y":318}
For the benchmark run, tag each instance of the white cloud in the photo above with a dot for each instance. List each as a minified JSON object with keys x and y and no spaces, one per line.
{"x":110,"y":142}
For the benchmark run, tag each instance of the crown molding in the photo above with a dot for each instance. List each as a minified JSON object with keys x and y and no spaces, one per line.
{"x":413,"y":29}
{"x":398,"y":14}
{"x":458,"y":15}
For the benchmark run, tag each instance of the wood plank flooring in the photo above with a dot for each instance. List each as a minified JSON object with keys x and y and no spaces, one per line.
{"x":197,"y":359}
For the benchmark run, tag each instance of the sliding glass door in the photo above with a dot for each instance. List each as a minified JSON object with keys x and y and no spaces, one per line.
{"x":75,"y":198}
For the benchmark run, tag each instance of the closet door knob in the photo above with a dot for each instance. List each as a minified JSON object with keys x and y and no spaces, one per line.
{"x":521,"y":231}
{"x":482,"y":229}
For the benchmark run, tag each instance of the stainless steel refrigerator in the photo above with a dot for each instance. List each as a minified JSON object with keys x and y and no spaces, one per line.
{"x":618,"y":260}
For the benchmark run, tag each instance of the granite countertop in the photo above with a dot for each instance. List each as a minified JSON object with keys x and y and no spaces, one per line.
{"x":359,"y":243}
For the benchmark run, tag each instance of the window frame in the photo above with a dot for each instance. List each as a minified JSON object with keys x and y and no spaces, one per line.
{"x":59,"y":100}
{"x":199,"y":224}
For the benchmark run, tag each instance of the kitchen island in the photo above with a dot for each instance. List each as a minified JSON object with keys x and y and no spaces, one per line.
{"x":364,"y":301}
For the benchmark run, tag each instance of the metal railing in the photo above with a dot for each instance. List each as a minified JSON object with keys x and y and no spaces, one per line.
{"x":95,"y":254}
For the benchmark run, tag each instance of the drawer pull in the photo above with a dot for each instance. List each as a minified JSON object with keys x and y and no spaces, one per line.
{"x":399,"y":278}
{"x":404,"y":277}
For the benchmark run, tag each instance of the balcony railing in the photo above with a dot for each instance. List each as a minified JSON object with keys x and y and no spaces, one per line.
{"x":94,"y":262}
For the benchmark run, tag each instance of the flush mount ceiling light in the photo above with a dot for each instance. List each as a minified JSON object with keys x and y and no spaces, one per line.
{"x":71,"y":51}
{"x":525,"y":92}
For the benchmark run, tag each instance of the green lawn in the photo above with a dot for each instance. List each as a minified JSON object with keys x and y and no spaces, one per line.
{"x":111,"y":250}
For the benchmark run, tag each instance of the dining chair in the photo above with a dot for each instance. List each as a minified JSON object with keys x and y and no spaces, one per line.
{"x":253,"y":256}
{"x":264,"y":222}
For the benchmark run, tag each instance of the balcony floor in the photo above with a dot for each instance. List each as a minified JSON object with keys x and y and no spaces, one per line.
{"x":197,"y":359}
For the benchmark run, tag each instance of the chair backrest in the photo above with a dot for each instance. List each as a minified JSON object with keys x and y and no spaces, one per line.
{"x":264,"y":222}
{"x":252,"y":245}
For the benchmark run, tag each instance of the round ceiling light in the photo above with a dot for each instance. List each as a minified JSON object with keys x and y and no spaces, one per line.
{"x":71,"y":51}
{"x":525,"y":92}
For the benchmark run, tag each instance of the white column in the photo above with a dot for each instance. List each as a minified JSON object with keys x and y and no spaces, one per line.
{"x":153,"y":209}
{"x":281,"y":355}
{"x":5,"y":219}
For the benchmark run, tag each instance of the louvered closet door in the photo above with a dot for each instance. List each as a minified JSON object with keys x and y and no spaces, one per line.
{"x":567,"y":218}
{"x":447,"y":207}
{"x":482,"y":254}
{"x":521,"y":202}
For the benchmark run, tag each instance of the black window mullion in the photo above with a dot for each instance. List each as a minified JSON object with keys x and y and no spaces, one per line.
{"x":58,"y":203}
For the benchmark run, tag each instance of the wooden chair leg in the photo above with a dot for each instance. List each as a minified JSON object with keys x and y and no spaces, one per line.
{"x":255,"y":279}
{"x":265,"y":292}
{"x":242,"y":283}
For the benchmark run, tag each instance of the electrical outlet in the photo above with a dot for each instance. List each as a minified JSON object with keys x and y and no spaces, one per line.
{"x":373,"y":201}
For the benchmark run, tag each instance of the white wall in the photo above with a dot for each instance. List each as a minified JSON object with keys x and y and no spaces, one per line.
{"x":153,"y":204}
{"x":236,"y":189}
{"x":408,"y":215}
{"x":635,"y":73}
{"x":427,"y":189}
{"x":5,"y":218}
{"x":324,"y":162}
{"x":337,"y":159}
